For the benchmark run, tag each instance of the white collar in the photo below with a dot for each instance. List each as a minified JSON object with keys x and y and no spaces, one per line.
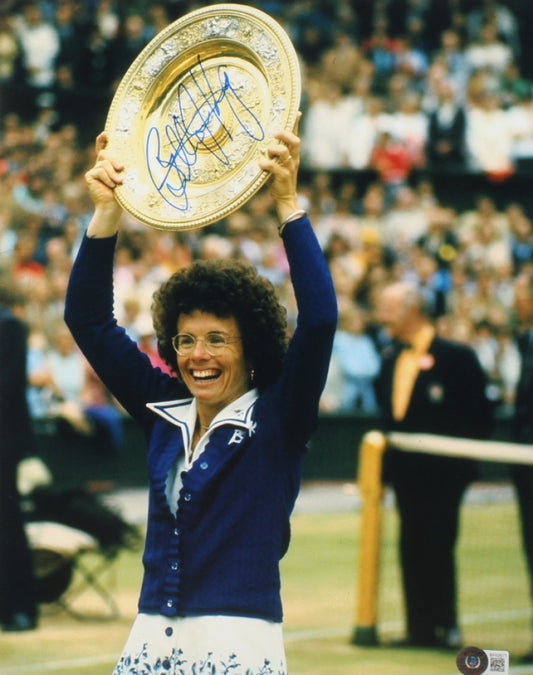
{"x":182,"y":413}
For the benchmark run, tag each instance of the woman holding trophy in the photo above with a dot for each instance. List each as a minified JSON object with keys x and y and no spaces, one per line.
{"x":226,"y":435}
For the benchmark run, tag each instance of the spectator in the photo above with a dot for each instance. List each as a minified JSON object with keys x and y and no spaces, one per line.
{"x":361,"y":88}
{"x":442,"y":16}
{"x":107,"y":20}
{"x":39,"y":392}
{"x":405,"y":222}
{"x":72,"y":236}
{"x":362,"y":132}
{"x":70,"y":29}
{"x":489,"y":138}
{"x":520,"y":117}
{"x":342,"y":62}
{"x":8,"y":238}
{"x":380,"y":48}
{"x":409,"y":125}
{"x":345,"y":265}
{"x":485,"y":301}
{"x":485,"y":344}
{"x":488,"y":53}
{"x":25,"y":267}
{"x":66,"y":372}
{"x":10,"y":55}
{"x":146,"y":340}
{"x":374,"y":210}
{"x":71,"y":100}
{"x":411,"y":58}
{"x":342,"y":221}
{"x":513,"y":86}
{"x":446,"y":132}
{"x":128,"y":45}
{"x":399,"y":86}
{"x":485,"y":208}
{"x":28,"y":194}
{"x":157,"y":19}
{"x":459,"y":298}
{"x":456,"y":329}
{"x":392,"y":162}
{"x":508,"y":363}
{"x":452,"y":55}
{"x":498,"y":15}
{"x":433,"y":283}
{"x":311,"y":33}
{"x":40,"y":47}
{"x":95,"y":69}
{"x":521,"y":238}
{"x":440,"y":240}
{"x":355,"y":364}
{"x":325,"y":147}
{"x":130,"y":315}
{"x":488,"y":247}
{"x":70,"y":388}
{"x":94,"y":75}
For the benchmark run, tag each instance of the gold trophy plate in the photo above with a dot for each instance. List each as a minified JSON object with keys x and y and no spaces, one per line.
{"x":193,"y":114}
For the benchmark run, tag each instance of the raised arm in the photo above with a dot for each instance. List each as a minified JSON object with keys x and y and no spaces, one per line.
{"x":309,"y":353}
{"x":89,"y":311}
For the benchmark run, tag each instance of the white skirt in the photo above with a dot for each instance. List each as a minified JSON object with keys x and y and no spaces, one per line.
{"x":204,"y":645}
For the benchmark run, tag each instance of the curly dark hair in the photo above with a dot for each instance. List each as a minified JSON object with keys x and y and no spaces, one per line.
{"x":226,"y":288}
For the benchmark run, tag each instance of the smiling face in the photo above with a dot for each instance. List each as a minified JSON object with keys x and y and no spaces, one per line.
{"x":215,"y":381}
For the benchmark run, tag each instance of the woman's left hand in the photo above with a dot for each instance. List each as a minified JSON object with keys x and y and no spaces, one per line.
{"x":282,"y":160}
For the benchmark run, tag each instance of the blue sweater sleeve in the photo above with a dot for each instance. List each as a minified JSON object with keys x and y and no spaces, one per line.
{"x":116,"y":359}
{"x":309,"y":353}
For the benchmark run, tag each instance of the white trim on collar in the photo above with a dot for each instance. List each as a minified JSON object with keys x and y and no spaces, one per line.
{"x":182,"y":412}
{"x":177,"y":412}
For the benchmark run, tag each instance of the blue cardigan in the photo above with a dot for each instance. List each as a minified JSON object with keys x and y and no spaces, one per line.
{"x":220,"y":553}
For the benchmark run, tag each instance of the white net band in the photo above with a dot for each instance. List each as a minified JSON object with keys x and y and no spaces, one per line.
{"x":489,"y":451}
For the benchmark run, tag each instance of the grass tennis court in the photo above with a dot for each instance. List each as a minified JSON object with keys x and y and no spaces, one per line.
{"x":319,"y":582}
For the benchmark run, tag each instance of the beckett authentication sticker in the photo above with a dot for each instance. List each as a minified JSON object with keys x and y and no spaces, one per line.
{"x":475,"y":661}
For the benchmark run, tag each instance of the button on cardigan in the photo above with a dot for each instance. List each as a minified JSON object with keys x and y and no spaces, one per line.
{"x":220,"y":552}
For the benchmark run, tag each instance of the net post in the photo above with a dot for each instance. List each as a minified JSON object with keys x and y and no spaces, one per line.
{"x":370,"y":485}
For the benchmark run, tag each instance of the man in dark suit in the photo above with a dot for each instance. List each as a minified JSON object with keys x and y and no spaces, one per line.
{"x":18,"y":610}
{"x":446,"y":132}
{"x":431,"y":386}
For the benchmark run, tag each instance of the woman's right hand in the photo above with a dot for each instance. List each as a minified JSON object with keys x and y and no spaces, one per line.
{"x":102,"y":179}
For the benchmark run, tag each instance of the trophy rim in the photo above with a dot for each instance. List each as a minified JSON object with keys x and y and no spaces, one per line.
{"x":242,"y":67}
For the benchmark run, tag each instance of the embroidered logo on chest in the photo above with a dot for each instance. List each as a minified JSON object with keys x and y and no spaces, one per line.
{"x":240,"y":434}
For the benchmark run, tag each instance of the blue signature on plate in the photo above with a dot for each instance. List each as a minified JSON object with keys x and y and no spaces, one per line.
{"x":171,"y":169}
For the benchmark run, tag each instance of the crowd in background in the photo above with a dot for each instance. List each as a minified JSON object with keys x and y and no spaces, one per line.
{"x":395,"y":87}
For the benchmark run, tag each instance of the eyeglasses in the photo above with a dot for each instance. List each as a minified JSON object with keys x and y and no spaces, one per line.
{"x":214,"y":343}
